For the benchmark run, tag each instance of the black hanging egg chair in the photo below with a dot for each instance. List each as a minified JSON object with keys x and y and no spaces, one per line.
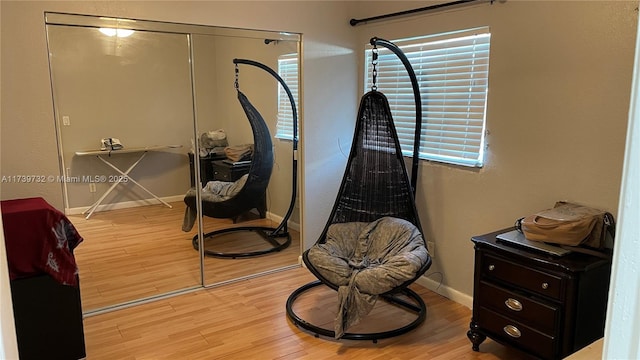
{"x":372,"y":245}
{"x":253,"y":186}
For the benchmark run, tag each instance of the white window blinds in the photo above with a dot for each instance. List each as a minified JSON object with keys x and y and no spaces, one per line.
{"x":452,"y":71}
{"x":288,"y":71}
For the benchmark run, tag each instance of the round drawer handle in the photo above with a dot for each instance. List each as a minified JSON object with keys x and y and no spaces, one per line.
{"x":513,"y":304}
{"x":491,"y":267}
{"x":545,"y":285}
{"x":512,"y":331}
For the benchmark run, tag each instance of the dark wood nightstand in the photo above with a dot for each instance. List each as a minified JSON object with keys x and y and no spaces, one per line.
{"x":224,"y":171}
{"x":206,"y":169}
{"x":544,"y":305}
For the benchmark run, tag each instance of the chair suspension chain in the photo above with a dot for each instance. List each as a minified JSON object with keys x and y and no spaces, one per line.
{"x":236,"y":85}
{"x":374,"y":62}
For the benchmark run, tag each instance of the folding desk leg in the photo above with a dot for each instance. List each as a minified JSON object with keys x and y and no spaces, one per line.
{"x":133,"y":181}
{"x":125,"y":175}
{"x":95,"y":205}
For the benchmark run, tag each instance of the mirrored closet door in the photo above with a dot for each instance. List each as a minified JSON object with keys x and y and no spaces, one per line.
{"x":138,"y":106}
{"x":220,"y":115}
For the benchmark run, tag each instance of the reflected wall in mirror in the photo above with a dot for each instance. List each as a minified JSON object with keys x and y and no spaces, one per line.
{"x":157,"y":90}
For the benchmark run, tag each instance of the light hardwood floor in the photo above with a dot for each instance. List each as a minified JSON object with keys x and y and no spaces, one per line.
{"x":134,"y":253}
{"x":247,"y":320}
{"x":128,"y":254}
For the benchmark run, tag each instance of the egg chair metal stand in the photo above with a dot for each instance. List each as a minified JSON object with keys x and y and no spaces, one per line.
{"x":376,"y":184}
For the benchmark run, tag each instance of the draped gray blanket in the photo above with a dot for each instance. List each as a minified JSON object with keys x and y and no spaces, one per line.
{"x":366,"y":260}
{"x":213,"y":191}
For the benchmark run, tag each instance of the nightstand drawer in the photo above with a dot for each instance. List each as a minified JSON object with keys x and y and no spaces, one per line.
{"x":539,"y":315}
{"x":221,"y":175}
{"x":518,"y":334}
{"x":524,"y":277}
{"x":223,"y":171}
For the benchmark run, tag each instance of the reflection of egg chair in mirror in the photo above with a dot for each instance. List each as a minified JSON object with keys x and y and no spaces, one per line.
{"x":248,"y":192}
{"x":372,"y":244}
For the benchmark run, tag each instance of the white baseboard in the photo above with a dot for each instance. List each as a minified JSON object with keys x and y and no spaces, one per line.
{"x":124,"y":204}
{"x":446,"y":291}
{"x":277,"y":218}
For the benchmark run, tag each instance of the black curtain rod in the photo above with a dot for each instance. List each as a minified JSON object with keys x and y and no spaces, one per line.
{"x":355,"y":22}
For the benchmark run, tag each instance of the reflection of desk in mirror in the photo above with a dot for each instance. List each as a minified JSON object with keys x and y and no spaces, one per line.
{"x":226,"y":170}
{"x":219,"y":168}
{"x":124,"y":178}
{"x":229,"y":171}
{"x":206,"y":167}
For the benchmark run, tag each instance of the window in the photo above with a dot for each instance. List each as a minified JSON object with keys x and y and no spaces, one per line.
{"x":288,"y":71}
{"x":452,"y":70}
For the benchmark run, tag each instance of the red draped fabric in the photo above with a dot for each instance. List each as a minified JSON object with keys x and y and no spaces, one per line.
{"x":39,"y":240}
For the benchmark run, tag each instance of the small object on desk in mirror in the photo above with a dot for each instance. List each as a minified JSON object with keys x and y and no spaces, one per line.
{"x":236,"y":163}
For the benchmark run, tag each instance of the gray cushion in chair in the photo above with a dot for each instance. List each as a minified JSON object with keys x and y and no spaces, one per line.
{"x":213,"y":191}
{"x":365,"y":260}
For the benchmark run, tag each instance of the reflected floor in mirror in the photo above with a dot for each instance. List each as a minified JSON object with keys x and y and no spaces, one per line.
{"x":135,"y":253}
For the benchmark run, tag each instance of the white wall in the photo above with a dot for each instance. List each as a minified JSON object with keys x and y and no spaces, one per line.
{"x":136,"y":89}
{"x":8,"y":341}
{"x":329,"y":101}
{"x":558,"y":104}
{"x":559,"y":82}
{"x":28,"y":142}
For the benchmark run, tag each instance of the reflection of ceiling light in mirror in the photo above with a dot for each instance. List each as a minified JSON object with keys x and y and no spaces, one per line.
{"x":116,"y":19}
{"x":116,"y":32}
